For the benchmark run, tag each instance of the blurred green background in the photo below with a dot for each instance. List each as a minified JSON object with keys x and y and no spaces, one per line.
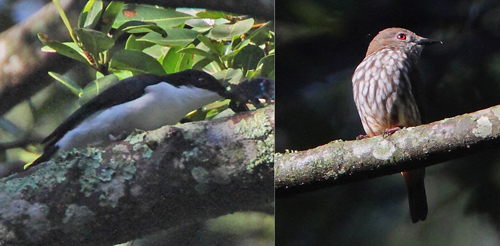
{"x":319,"y":45}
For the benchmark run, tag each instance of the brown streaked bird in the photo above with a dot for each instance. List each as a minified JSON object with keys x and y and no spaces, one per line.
{"x":386,"y":89}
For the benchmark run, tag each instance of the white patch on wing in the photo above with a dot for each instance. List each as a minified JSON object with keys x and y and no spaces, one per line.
{"x":162,"y":104}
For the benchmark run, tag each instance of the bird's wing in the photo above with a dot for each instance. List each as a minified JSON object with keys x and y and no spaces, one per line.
{"x":124,"y":91}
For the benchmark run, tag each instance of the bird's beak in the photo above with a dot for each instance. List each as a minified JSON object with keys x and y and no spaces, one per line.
{"x":425,"y":41}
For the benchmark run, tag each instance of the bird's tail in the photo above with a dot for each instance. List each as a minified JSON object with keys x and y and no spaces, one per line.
{"x":416,"y":194}
{"x":48,"y":151}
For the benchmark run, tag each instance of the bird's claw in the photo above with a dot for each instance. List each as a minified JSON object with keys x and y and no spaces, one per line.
{"x":390,"y":131}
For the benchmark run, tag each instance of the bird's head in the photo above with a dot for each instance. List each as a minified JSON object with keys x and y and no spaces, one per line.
{"x":399,"y":38}
{"x":199,"y":79}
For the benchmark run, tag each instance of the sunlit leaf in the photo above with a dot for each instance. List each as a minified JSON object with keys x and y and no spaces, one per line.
{"x":176,"y":37}
{"x":228,"y":31}
{"x":171,"y":59}
{"x":164,"y":18}
{"x":133,"y":44}
{"x":155,"y":51}
{"x":62,"y":48}
{"x":90,"y":15}
{"x":210,"y":14}
{"x":186,"y":61}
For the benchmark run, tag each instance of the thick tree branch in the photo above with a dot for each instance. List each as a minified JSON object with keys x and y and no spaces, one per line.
{"x":152,"y":180}
{"x":344,"y":161}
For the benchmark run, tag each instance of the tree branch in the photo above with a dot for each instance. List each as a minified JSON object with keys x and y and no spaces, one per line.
{"x":152,"y":180}
{"x":345,"y":161}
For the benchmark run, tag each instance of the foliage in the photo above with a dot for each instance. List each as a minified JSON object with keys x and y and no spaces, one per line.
{"x":120,"y":40}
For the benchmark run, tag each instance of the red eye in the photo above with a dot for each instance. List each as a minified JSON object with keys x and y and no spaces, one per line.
{"x":401,"y":36}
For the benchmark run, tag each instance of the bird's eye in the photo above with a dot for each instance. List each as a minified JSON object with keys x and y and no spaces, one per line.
{"x":401,"y":36}
{"x":202,"y":81}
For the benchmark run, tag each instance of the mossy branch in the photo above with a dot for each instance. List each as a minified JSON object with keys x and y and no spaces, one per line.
{"x":344,"y":161}
{"x":150,"y":181}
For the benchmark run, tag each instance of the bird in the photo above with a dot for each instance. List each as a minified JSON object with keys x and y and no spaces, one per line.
{"x":144,"y":101}
{"x":387,"y":91}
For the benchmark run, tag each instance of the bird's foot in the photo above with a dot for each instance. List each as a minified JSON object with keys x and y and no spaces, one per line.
{"x":390,"y":131}
{"x":359,"y":137}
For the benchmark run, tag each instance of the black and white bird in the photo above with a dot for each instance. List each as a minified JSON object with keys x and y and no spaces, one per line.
{"x":143,"y":101}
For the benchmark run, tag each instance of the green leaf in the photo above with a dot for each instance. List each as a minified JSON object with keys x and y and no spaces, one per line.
{"x":202,"y":63}
{"x":208,"y":42}
{"x":229,"y":76}
{"x":186,"y":62}
{"x":266,"y":65}
{"x":138,"y":27}
{"x":90,"y":15}
{"x":171,"y":59}
{"x":110,"y":14}
{"x":135,"y":61}
{"x":260,"y":35}
{"x":164,"y":18}
{"x":64,"y":18}
{"x":210,"y":14}
{"x":242,"y":45}
{"x":228,"y":31}
{"x":62,"y":48}
{"x":195,"y":51}
{"x":123,"y":74}
{"x":97,"y":86}
{"x":133,"y":44}
{"x":66,"y":81}
{"x":202,"y":53}
{"x":248,"y":58}
{"x":156,"y":51}
{"x":176,"y":37}
{"x":94,"y":42}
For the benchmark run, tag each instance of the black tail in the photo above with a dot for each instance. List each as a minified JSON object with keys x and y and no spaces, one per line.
{"x":48,"y":151}
{"x":417,"y":198}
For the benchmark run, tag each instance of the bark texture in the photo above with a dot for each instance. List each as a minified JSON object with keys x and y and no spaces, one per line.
{"x":409,"y":148}
{"x":153,"y":180}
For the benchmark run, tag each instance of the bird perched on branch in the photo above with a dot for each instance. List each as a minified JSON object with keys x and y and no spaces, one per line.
{"x":386,"y":89}
{"x":143,"y":101}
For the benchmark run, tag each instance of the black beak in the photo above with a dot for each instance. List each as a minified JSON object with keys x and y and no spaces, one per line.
{"x":425,"y":41}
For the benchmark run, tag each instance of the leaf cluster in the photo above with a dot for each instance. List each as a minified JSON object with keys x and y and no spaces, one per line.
{"x":121,"y":40}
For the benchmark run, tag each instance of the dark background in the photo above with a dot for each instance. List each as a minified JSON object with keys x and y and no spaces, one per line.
{"x":319,"y":45}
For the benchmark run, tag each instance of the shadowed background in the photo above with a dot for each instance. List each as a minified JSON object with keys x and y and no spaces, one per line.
{"x":320,"y":43}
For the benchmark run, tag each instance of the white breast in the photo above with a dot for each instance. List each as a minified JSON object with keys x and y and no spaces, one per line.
{"x":162,"y":104}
